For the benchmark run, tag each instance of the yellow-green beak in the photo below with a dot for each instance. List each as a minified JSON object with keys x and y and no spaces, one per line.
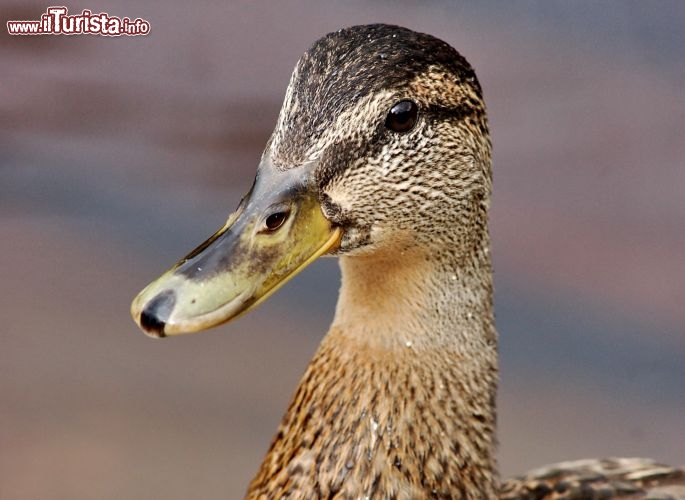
{"x":276,"y":232}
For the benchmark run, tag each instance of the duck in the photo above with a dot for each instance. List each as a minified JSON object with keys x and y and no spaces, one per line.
{"x":381,"y":156}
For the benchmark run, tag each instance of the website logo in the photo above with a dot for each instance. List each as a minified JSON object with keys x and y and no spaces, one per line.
{"x":56,"y":21}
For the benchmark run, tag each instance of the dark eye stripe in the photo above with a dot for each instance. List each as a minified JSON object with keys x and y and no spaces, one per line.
{"x":454,"y":113}
{"x":402,"y":116}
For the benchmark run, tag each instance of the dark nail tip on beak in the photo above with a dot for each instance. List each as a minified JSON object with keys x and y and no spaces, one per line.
{"x":154,"y":316}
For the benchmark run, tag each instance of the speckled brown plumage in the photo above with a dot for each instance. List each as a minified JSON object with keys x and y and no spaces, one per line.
{"x":399,"y":400}
{"x":388,"y":408}
{"x":612,"y":478}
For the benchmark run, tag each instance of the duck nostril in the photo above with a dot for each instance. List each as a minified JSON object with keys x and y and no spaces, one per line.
{"x":276,"y":220}
{"x":155,"y":314}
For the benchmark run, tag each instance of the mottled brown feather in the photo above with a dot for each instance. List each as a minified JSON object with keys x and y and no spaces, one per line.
{"x":399,"y":400}
{"x":615,"y":478}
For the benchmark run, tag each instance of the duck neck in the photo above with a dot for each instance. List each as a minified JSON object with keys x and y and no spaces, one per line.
{"x":398,"y":401}
{"x":418,"y":300}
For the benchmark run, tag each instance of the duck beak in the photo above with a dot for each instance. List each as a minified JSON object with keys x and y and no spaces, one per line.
{"x":245,"y":261}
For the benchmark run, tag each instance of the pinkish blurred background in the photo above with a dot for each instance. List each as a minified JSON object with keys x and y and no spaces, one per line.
{"x":117,"y":156}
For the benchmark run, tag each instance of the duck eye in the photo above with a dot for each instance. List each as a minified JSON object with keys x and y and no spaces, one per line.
{"x":402,"y":116}
{"x":275,"y":220}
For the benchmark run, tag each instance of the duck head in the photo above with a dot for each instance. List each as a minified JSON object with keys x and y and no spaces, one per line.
{"x":381,"y":144}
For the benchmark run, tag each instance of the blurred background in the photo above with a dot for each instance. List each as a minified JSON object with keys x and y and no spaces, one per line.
{"x":118,"y":155}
